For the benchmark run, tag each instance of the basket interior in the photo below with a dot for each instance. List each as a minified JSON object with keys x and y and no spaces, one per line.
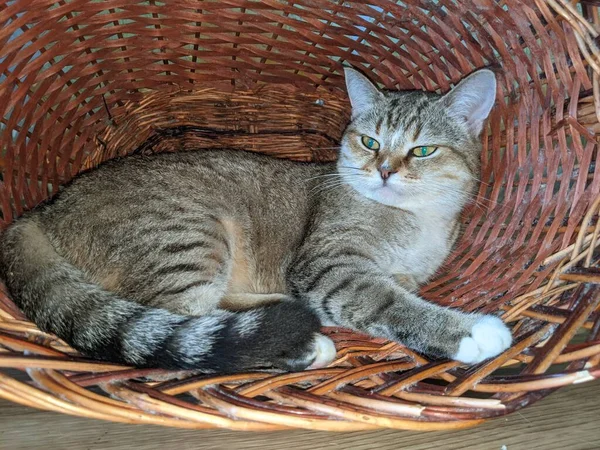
{"x":70,"y":72}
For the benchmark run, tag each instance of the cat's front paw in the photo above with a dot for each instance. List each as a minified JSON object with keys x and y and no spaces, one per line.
{"x":489,"y":337}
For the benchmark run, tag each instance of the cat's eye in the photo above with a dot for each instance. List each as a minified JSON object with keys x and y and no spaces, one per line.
{"x":423,"y":151}
{"x":369,"y":142}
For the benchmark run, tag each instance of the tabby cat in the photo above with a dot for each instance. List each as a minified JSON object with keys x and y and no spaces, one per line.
{"x":223,"y":261}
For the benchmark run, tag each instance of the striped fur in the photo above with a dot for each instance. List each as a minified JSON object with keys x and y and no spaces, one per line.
{"x":226,"y":261}
{"x":61,"y":299}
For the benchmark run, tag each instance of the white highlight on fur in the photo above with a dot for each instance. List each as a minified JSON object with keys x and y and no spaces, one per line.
{"x":248,"y":323}
{"x":324,"y":351}
{"x":197,"y":340}
{"x":154,"y":327}
{"x":489,"y":337}
{"x":321,"y":355}
{"x":473,"y":99}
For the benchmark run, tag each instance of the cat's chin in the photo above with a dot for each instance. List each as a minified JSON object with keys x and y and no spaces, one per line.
{"x":386,"y":195}
{"x":390,"y":196}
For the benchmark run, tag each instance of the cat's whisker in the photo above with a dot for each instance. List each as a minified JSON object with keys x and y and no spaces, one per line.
{"x":350,"y":167}
{"x":479,"y":180}
{"x":334,"y":175}
{"x":328,"y":185}
{"x":325,"y":184}
{"x":445,"y":188}
{"x":330,"y":182}
{"x":476,"y":200}
{"x":327,"y":175}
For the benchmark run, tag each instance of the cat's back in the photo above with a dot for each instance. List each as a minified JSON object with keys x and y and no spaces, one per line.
{"x":214,"y":177}
{"x":120,"y":212}
{"x":242,"y":168}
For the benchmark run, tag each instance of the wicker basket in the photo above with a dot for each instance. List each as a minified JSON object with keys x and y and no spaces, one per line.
{"x":83,"y":82}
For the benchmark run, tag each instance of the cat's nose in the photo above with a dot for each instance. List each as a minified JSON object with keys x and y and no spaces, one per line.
{"x":385,"y":173}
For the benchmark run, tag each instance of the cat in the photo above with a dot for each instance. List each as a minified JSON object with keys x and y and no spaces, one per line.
{"x":225,"y":261}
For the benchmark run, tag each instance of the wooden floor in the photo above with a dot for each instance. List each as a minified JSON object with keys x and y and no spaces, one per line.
{"x":567,"y":420}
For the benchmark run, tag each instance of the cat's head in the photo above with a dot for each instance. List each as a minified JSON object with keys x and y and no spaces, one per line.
{"x":415,"y":149}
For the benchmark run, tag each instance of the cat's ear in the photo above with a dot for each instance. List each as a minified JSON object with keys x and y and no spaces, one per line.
{"x":363,"y":94}
{"x":472,"y":99}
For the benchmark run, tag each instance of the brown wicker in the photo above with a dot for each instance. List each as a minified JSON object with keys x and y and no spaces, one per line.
{"x":82,"y":82}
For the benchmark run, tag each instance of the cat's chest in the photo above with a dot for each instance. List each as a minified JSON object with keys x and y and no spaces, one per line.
{"x":418,"y":252}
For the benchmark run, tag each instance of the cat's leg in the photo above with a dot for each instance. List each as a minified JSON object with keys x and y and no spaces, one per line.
{"x":182,"y":265}
{"x":351,"y":290}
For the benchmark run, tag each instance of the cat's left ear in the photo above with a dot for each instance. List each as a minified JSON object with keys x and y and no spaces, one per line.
{"x":473,"y":99}
{"x":363,"y":94}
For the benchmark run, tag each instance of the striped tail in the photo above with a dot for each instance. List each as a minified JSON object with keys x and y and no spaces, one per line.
{"x":57,"y":296}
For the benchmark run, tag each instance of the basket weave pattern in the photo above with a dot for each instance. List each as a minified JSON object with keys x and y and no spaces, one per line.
{"x":82,"y":82}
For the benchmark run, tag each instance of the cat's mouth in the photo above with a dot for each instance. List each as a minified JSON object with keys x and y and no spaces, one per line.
{"x":389,"y":186}
{"x":386,"y":190}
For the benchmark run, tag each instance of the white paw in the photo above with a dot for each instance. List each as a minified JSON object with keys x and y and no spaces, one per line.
{"x":489,"y":337}
{"x":324,"y":351}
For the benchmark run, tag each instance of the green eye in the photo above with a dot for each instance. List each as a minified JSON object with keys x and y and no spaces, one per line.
{"x":369,"y":143}
{"x":421,"y":152}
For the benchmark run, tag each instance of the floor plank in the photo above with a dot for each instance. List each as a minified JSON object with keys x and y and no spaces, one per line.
{"x":568,"y":419}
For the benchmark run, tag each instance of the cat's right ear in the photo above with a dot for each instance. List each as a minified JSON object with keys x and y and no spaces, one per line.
{"x":362,"y":93}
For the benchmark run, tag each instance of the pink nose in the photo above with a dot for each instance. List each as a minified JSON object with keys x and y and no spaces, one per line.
{"x":385,"y":173}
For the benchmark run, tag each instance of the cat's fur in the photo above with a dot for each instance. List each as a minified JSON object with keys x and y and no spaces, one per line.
{"x":226,"y":261}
